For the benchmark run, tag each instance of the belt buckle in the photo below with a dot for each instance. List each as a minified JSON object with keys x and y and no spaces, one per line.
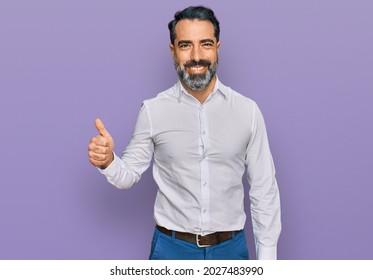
{"x":199,"y":245}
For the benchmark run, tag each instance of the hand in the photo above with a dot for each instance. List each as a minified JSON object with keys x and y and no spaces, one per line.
{"x":100,"y":149}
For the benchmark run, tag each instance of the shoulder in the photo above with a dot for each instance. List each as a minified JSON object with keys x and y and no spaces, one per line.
{"x":239,"y":100}
{"x":162,"y":98}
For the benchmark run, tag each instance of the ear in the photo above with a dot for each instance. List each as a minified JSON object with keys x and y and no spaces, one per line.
{"x":172,"y":49}
{"x":218,"y":46}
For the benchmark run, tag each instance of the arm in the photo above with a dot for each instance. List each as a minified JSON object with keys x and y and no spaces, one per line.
{"x":264,"y":194}
{"x":125,"y":171}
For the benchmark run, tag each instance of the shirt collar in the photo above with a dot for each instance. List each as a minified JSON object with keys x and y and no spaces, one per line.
{"x":219,"y":87}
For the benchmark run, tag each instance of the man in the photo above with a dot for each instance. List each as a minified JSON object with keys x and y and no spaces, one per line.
{"x":202,"y":135}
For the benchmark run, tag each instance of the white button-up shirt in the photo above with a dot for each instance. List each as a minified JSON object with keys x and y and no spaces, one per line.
{"x":200,"y":155}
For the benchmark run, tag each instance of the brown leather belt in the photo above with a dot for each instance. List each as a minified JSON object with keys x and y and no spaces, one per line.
{"x":200,"y":240}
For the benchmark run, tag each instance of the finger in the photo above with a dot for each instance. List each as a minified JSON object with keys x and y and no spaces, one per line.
{"x":98,"y":149}
{"x":97,"y":163}
{"x":101,"y":128}
{"x":98,"y":157}
{"x":100,"y":141}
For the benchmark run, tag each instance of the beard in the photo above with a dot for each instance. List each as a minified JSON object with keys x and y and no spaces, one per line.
{"x":196,"y":82}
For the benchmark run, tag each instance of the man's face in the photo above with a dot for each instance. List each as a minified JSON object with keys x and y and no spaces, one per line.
{"x":195,"y":53}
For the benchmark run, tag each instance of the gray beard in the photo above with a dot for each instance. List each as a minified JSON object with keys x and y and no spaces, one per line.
{"x":196,"y":81}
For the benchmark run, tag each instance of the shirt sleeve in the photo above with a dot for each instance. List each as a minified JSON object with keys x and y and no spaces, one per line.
{"x":264,"y":193}
{"x":125,"y":171}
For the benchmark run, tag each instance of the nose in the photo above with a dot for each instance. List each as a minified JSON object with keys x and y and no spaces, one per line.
{"x":196,"y":53}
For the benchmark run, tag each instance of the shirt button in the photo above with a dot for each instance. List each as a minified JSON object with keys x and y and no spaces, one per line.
{"x":204,"y":210}
{"x":204,"y":184}
{"x":203,"y":132}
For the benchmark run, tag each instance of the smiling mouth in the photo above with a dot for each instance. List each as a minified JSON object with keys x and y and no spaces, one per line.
{"x":197,"y":68}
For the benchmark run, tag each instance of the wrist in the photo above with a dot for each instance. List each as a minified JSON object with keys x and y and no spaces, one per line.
{"x":109,"y":162}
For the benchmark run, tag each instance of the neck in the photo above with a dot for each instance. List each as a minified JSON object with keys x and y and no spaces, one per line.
{"x":201,"y":95}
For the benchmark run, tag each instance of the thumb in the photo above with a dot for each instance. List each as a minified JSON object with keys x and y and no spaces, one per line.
{"x":101,"y":128}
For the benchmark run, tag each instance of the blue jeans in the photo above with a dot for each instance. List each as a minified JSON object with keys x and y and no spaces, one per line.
{"x":166,"y":247}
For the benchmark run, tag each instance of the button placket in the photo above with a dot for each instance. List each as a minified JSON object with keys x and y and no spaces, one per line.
{"x":205,"y":191}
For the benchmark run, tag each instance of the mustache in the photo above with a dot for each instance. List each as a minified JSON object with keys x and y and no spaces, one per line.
{"x":202,"y":62}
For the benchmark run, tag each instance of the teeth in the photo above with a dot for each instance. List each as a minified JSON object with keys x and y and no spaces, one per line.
{"x":197,"y":68}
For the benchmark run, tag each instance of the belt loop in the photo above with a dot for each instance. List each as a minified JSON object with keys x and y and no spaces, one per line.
{"x":173,"y":234}
{"x":233,"y":234}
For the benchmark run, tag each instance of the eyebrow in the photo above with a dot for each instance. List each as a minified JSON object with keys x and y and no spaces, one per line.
{"x":207,"y":41}
{"x":184,"y":42}
{"x":189,"y":42}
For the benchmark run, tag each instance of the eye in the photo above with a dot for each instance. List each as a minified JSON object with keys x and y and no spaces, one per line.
{"x":184,"y":46}
{"x":208,"y":45}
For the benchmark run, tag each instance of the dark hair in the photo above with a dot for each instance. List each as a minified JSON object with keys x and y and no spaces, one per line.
{"x":194,"y":12}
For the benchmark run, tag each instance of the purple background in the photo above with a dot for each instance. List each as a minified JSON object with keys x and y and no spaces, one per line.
{"x":308,"y":64}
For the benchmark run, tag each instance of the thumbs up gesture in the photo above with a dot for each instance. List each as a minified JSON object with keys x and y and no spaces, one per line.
{"x":100,"y":149}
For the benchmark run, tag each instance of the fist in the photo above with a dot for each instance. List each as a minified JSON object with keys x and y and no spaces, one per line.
{"x":100,"y":149}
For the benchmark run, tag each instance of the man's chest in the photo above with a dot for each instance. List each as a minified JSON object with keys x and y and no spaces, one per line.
{"x":191,"y":132}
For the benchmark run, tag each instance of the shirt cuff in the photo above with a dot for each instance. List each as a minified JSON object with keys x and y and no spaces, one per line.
{"x":266,"y":253}
{"x":112,"y":168}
